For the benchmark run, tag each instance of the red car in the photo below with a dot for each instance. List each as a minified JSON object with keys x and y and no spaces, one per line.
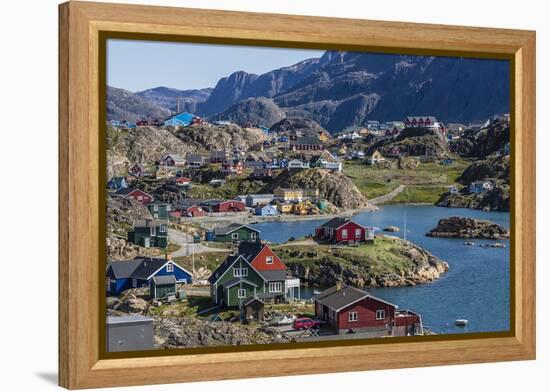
{"x":305,"y":323}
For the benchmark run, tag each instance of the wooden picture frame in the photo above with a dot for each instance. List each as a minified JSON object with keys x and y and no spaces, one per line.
{"x":81,"y":363}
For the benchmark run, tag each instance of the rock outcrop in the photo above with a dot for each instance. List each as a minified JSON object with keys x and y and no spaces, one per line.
{"x":191,"y":332}
{"x":468,"y":228}
{"x":396,"y":263}
{"x":259,"y":111}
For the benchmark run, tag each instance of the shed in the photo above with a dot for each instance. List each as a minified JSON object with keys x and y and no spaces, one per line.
{"x":253,"y":309}
{"x":163,"y":286}
{"x":126,"y":333}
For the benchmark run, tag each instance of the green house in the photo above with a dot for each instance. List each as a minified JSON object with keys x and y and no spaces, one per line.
{"x":159,"y":210}
{"x":236,"y":233}
{"x":234,"y":281}
{"x":149,"y":233}
{"x":163,"y":286}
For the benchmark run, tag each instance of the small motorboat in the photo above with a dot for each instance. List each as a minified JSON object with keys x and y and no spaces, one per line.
{"x":461,"y":322}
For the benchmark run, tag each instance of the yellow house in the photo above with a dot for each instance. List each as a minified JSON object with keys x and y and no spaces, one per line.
{"x":322,"y":136}
{"x":284,"y":207}
{"x":162,"y":173}
{"x":375,"y":158}
{"x":301,"y":208}
{"x":289,"y":194}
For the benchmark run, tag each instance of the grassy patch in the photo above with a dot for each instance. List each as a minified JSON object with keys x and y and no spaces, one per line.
{"x":420,"y":194}
{"x":384,"y":256}
{"x":208,"y":260}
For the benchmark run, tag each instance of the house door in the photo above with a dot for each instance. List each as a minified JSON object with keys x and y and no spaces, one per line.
{"x":147,"y":242}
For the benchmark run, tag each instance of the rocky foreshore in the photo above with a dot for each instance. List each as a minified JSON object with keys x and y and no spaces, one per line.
{"x":468,"y":228}
{"x":191,"y":332}
{"x":391,"y":262}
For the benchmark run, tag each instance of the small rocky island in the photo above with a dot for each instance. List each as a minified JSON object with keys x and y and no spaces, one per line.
{"x":468,"y":228}
{"x":388,"y":262}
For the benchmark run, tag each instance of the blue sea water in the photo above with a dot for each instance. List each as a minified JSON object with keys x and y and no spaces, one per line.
{"x":476,"y":287}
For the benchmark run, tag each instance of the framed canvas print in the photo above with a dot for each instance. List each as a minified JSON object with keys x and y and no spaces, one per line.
{"x":247,"y":195}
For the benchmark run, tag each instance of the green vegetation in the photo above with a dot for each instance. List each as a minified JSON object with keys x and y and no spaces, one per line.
{"x":207,"y":260}
{"x":187,"y":307}
{"x":425,"y":183}
{"x":420,"y":194}
{"x":386,"y":255}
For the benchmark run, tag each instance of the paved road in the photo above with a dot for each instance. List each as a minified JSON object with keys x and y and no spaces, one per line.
{"x":387,"y":197}
{"x":187,"y":245}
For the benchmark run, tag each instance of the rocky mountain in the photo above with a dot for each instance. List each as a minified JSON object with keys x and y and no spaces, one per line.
{"x":261,"y":111}
{"x":348,"y":88}
{"x":167,"y":97}
{"x":125,"y":105}
{"x":494,"y":167}
{"x":210,"y":137}
{"x":340,"y":89}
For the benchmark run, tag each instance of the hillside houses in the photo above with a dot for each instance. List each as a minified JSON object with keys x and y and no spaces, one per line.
{"x":172,"y":160}
{"x":149,"y":233}
{"x":254,"y":271}
{"x":344,"y":230}
{"x":136,"y":194}
{"x":161,"y":276}
{"x":235,"y":233}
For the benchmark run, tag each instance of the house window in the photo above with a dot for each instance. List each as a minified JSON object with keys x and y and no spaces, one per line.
{"x":358,"y":233}
{"x":380,"y":314}
{"x":352,"y":317}
{"x":155,"y":208}
{"x":170,"y":268}
{"x":344,"y":233}
{"x":140,"y":198}
{"x":134,"y":283}
{"x":253,"y":235}
{"x":162,"y":228}
{"x":241,"y":293}
{"x":240,"y":272}
{"x":168,"y":208}
{"x":275,"y":286}
{"x":183,"y":280}
{"x":235,"y":235}
{"x":153,"y":231}
{"x":269,"y":260}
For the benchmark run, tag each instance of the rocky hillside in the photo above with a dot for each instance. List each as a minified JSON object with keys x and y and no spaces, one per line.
{"x":228,"y":137}
{"x":389,"y":262}
{"x":494,"y":167}
{"x":142,"y":145}
{"x":307,"y":126}
{"x":416,"y":142}
{"x":468,"y":228}
{"x":483,"y":142}
{"x":261,"y":111}
{"x":125,"y":105}
{"x":167,"y":97}
{"x":333,"y":187}
{"x":497,"y":199}
{"x":187,"y":332}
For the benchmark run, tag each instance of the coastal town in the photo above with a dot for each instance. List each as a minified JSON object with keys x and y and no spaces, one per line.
{"x":313,"y":202}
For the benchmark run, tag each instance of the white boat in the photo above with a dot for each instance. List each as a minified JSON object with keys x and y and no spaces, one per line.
{"x":461,"y":322}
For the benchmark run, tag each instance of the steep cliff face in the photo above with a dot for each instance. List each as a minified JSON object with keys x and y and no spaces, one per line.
{"x":125,"y":105}
{"x":348,"y":88}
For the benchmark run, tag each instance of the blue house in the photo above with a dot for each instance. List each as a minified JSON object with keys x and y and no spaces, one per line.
{"x":266,"y":210}
{"x":181,"y":119}
{"x":117,"y":182}
{"x":160,"y":275}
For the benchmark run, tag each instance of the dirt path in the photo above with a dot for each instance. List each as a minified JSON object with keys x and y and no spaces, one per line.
{"x":187,"y":245}
{"x":387,"y":197}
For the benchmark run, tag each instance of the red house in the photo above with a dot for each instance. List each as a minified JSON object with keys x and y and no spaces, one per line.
{"x":350,"y":310}
{"x":136,"y":194}
{"x":343,"y":230}
{"x":182,"y":181}
{"x":229,"y":206}
{"x":194,"y":211}
{"x":261,"y":257}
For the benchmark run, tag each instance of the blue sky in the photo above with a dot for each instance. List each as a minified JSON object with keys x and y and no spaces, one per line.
{"x":138,"y":65}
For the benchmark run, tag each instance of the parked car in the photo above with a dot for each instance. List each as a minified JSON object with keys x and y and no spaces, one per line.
{"x":305,"y":323}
